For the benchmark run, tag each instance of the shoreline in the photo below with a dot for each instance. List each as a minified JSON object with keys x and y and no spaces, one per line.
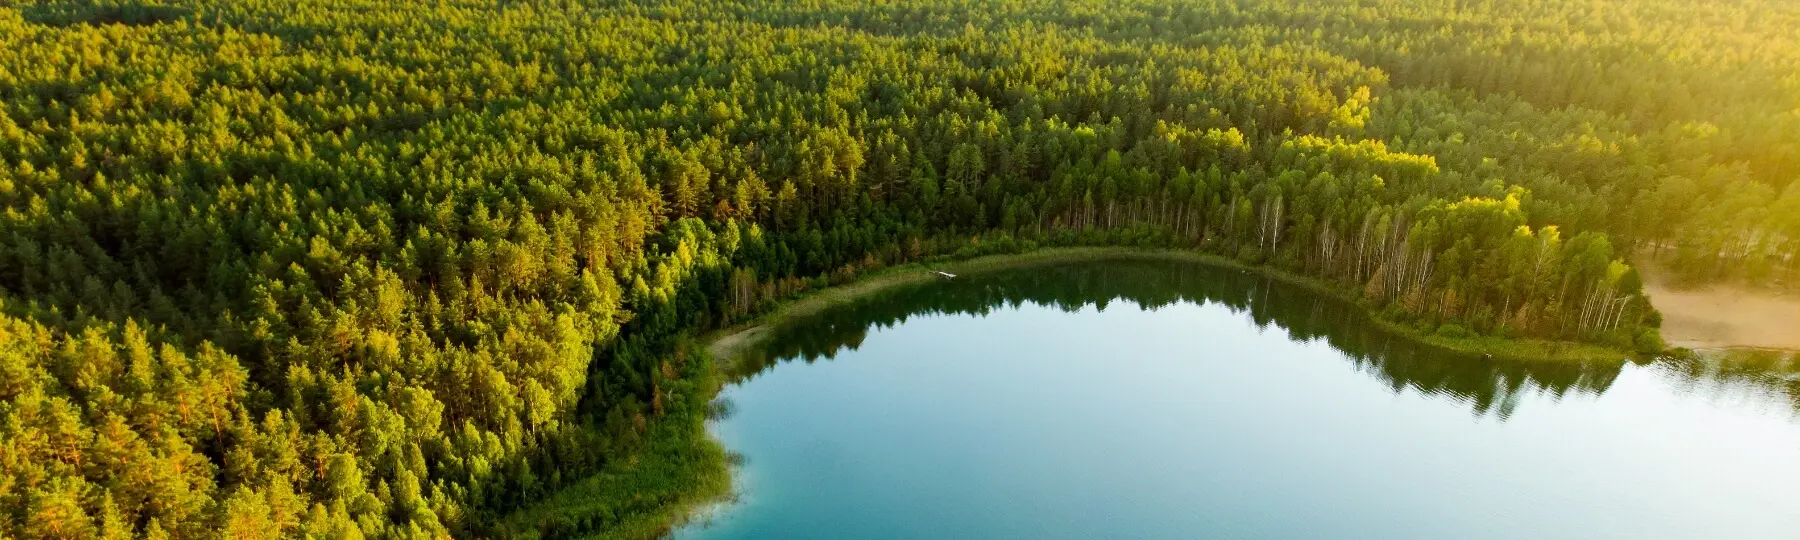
{"x":726,"y":344}
{"x":1721,"y":316}
{"x":711,"y":482}
{"x":1727,"y":349}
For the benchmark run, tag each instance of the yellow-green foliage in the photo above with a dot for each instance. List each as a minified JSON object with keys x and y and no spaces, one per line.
{"x":399,"y":267}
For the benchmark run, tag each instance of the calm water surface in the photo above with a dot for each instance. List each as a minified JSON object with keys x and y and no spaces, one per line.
{"x":1169,"y":400}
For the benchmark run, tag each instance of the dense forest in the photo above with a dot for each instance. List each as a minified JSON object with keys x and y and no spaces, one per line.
{"x":389,"y":268}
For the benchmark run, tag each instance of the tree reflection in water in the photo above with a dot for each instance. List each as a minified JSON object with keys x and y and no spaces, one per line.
{"x":1487,"y":385}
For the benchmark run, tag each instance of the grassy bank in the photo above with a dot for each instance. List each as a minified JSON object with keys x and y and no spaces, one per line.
{"x":679,"y":468}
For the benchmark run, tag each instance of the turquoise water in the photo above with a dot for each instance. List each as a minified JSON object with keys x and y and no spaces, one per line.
{"x":1167,"y":400}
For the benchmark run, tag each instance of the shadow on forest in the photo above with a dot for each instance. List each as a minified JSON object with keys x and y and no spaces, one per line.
{"x":1486,"y":385}
{"x":101,"y":12}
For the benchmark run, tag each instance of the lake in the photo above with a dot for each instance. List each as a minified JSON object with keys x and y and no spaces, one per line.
{"x":1162,"y":399}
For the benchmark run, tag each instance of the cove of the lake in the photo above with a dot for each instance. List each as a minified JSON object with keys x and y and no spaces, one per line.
{"x":1162,"y":399}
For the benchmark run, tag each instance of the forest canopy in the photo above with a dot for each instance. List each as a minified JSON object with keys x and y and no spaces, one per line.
{"x":398,"y":267}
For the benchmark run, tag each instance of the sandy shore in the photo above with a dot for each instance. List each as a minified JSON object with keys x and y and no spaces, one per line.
{"x":1723,"y":316}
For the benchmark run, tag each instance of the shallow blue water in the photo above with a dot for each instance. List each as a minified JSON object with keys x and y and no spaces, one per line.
{"x":1193,"y":420}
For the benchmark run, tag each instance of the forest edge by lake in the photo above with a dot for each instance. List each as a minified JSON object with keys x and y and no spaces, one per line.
{"x":682,"y":470}
{"x":725,"y":344}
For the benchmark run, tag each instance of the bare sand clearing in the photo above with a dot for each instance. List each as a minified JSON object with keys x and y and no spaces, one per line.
{"x":1723,"y":316}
